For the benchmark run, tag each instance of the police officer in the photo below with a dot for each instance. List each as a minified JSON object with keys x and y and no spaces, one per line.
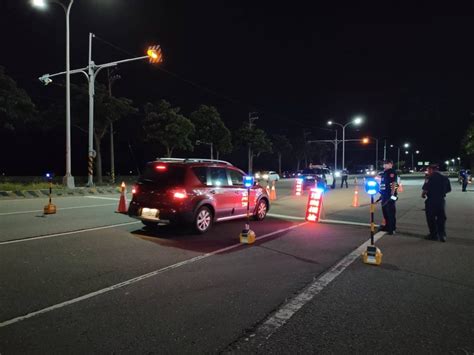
{"x":464,"y":176}
{"x":344,"y":176}
{"x":434,"y":190}
{"x":388,"y":196}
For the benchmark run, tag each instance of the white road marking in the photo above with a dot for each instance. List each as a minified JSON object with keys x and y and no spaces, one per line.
{"x":65,"y":233}
{"x":288,"y":310}
{"x":59,"y":208}
{"x":137,"y":279}
{"x":276,"y":215}
{"x":335,"y":221}
{"x":103,"y":198}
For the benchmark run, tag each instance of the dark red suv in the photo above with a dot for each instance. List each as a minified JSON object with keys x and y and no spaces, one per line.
{"x":194,"y":191}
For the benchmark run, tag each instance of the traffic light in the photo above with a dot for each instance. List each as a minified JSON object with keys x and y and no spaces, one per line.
{"x":155,"y":54}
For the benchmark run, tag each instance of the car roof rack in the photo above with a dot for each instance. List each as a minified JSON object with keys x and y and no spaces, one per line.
{"x":194,"y":160}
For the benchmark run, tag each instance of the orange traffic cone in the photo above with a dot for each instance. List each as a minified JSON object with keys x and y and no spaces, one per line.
{"x":122,"y":206}
{"x":355,"y":199}
{"x":268,"y":188}
{"x":273,"y":195}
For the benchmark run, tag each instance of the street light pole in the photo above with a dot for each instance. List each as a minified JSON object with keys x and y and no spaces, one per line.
{"x":69,"y":178}
{"x":335,"y":152}
{"x":384,"y":149}
{"x":355,"y":121}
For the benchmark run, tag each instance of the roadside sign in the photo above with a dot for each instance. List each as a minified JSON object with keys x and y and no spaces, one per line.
{"x":299,"y":187}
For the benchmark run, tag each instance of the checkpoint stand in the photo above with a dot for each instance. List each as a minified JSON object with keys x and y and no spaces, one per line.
{"x":50,"y":208}
{"x":247,"y":236}
{"x":372,"y":255}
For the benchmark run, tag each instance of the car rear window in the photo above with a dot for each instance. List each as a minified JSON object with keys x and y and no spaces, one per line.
{"x":164,"y":174}
{"x":312,"y":171}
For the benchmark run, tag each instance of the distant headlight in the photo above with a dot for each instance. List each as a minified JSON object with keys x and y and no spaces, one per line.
{"x":257,"y":176}
{"x":337,"y":174}
{"x":372,"y":173}
{"x":265,"y":176}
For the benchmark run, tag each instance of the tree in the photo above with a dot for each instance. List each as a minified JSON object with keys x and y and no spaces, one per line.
{"x":281,"y":145}
{"x":256,"y":139}
{"x":468,"y":141}
{"x":210,"y":128}
{"x":16,"y":106}
{"x":107,"y":109}
{"x":165,"y":125}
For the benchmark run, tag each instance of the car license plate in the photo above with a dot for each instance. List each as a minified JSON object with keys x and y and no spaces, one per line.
{"x":152,"y":213}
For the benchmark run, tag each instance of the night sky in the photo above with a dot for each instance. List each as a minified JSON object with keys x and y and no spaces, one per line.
{"x":407,"y":67}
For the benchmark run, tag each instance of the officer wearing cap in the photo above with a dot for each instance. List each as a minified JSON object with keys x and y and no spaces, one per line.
{"x":434,"y":190}
{"x":388,"y":196}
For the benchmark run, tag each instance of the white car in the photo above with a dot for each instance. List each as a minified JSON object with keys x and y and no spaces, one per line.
{"x":267,"y":176}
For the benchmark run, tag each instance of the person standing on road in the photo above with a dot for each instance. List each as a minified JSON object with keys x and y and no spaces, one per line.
{"x":435,"y":190}
{"x":388,"y":196}
{"x":344,"y":176}
{"x":464,"y":176}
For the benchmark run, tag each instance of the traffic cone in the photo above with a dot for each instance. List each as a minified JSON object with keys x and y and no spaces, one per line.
{"x":122,"y":206}
{"x":355,"y":199}
{"x":268,"y":188}
{"x":273,"y":195}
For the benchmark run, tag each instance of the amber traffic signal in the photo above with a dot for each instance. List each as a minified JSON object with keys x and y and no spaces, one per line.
{"x":155,"y":54}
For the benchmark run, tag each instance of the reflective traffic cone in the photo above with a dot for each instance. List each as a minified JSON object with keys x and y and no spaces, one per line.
{"x":268,"y":187}
{"x":355,"y":199}
{"x":273,"y":195}
{"x":122,"y":206}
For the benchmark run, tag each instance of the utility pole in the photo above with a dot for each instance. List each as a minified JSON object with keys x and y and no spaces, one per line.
{"x":252,"y":118}
{"x":111,"y":79}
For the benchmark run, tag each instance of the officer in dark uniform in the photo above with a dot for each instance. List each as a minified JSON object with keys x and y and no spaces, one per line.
{"x":434,"y":190}
{"x":464,"y":176}
{"x":388,"y":196}
{"x":344,"y":176}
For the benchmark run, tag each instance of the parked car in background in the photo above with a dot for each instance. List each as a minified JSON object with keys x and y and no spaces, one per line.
{"x":316,"y":176}
{"x":268,"y":176}
{"x":197,"y":192}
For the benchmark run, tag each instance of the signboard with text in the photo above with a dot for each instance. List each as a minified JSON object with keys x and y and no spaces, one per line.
{"x":315,"y":204}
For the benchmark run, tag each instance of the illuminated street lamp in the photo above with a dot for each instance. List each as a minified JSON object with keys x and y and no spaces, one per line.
{"x":366,"y":140}
{"x":355,"y":121}
{"x":68,"y":178}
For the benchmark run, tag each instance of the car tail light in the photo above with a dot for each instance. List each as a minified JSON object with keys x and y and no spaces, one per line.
{"x":179,"y":194}
{"x":160,"y":167}
{"x":134,"y":189}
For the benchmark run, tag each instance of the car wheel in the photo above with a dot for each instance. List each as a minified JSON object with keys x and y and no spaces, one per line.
{"x":261,"y":210}
{"x":203,"y":220}
{"x":150,"y":224}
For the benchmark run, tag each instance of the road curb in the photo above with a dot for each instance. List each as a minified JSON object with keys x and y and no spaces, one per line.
{"x":31,"y":194}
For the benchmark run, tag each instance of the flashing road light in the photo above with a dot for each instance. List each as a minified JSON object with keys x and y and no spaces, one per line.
{"x":365,"y":140}
{"x":372,"y":187}
{"x":155,"y":54}
{"x":315,"y":204}
{"x":248,"y":181}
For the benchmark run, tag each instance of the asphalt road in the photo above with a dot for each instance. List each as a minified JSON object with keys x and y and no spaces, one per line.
{"x":90,"y":280}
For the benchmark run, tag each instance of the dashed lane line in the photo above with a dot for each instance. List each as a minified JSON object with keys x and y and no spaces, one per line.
{"x":136,"y":279}
{"x":23,"y":240}
{"x":58,"y":208}
{"x":289,"y":309}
